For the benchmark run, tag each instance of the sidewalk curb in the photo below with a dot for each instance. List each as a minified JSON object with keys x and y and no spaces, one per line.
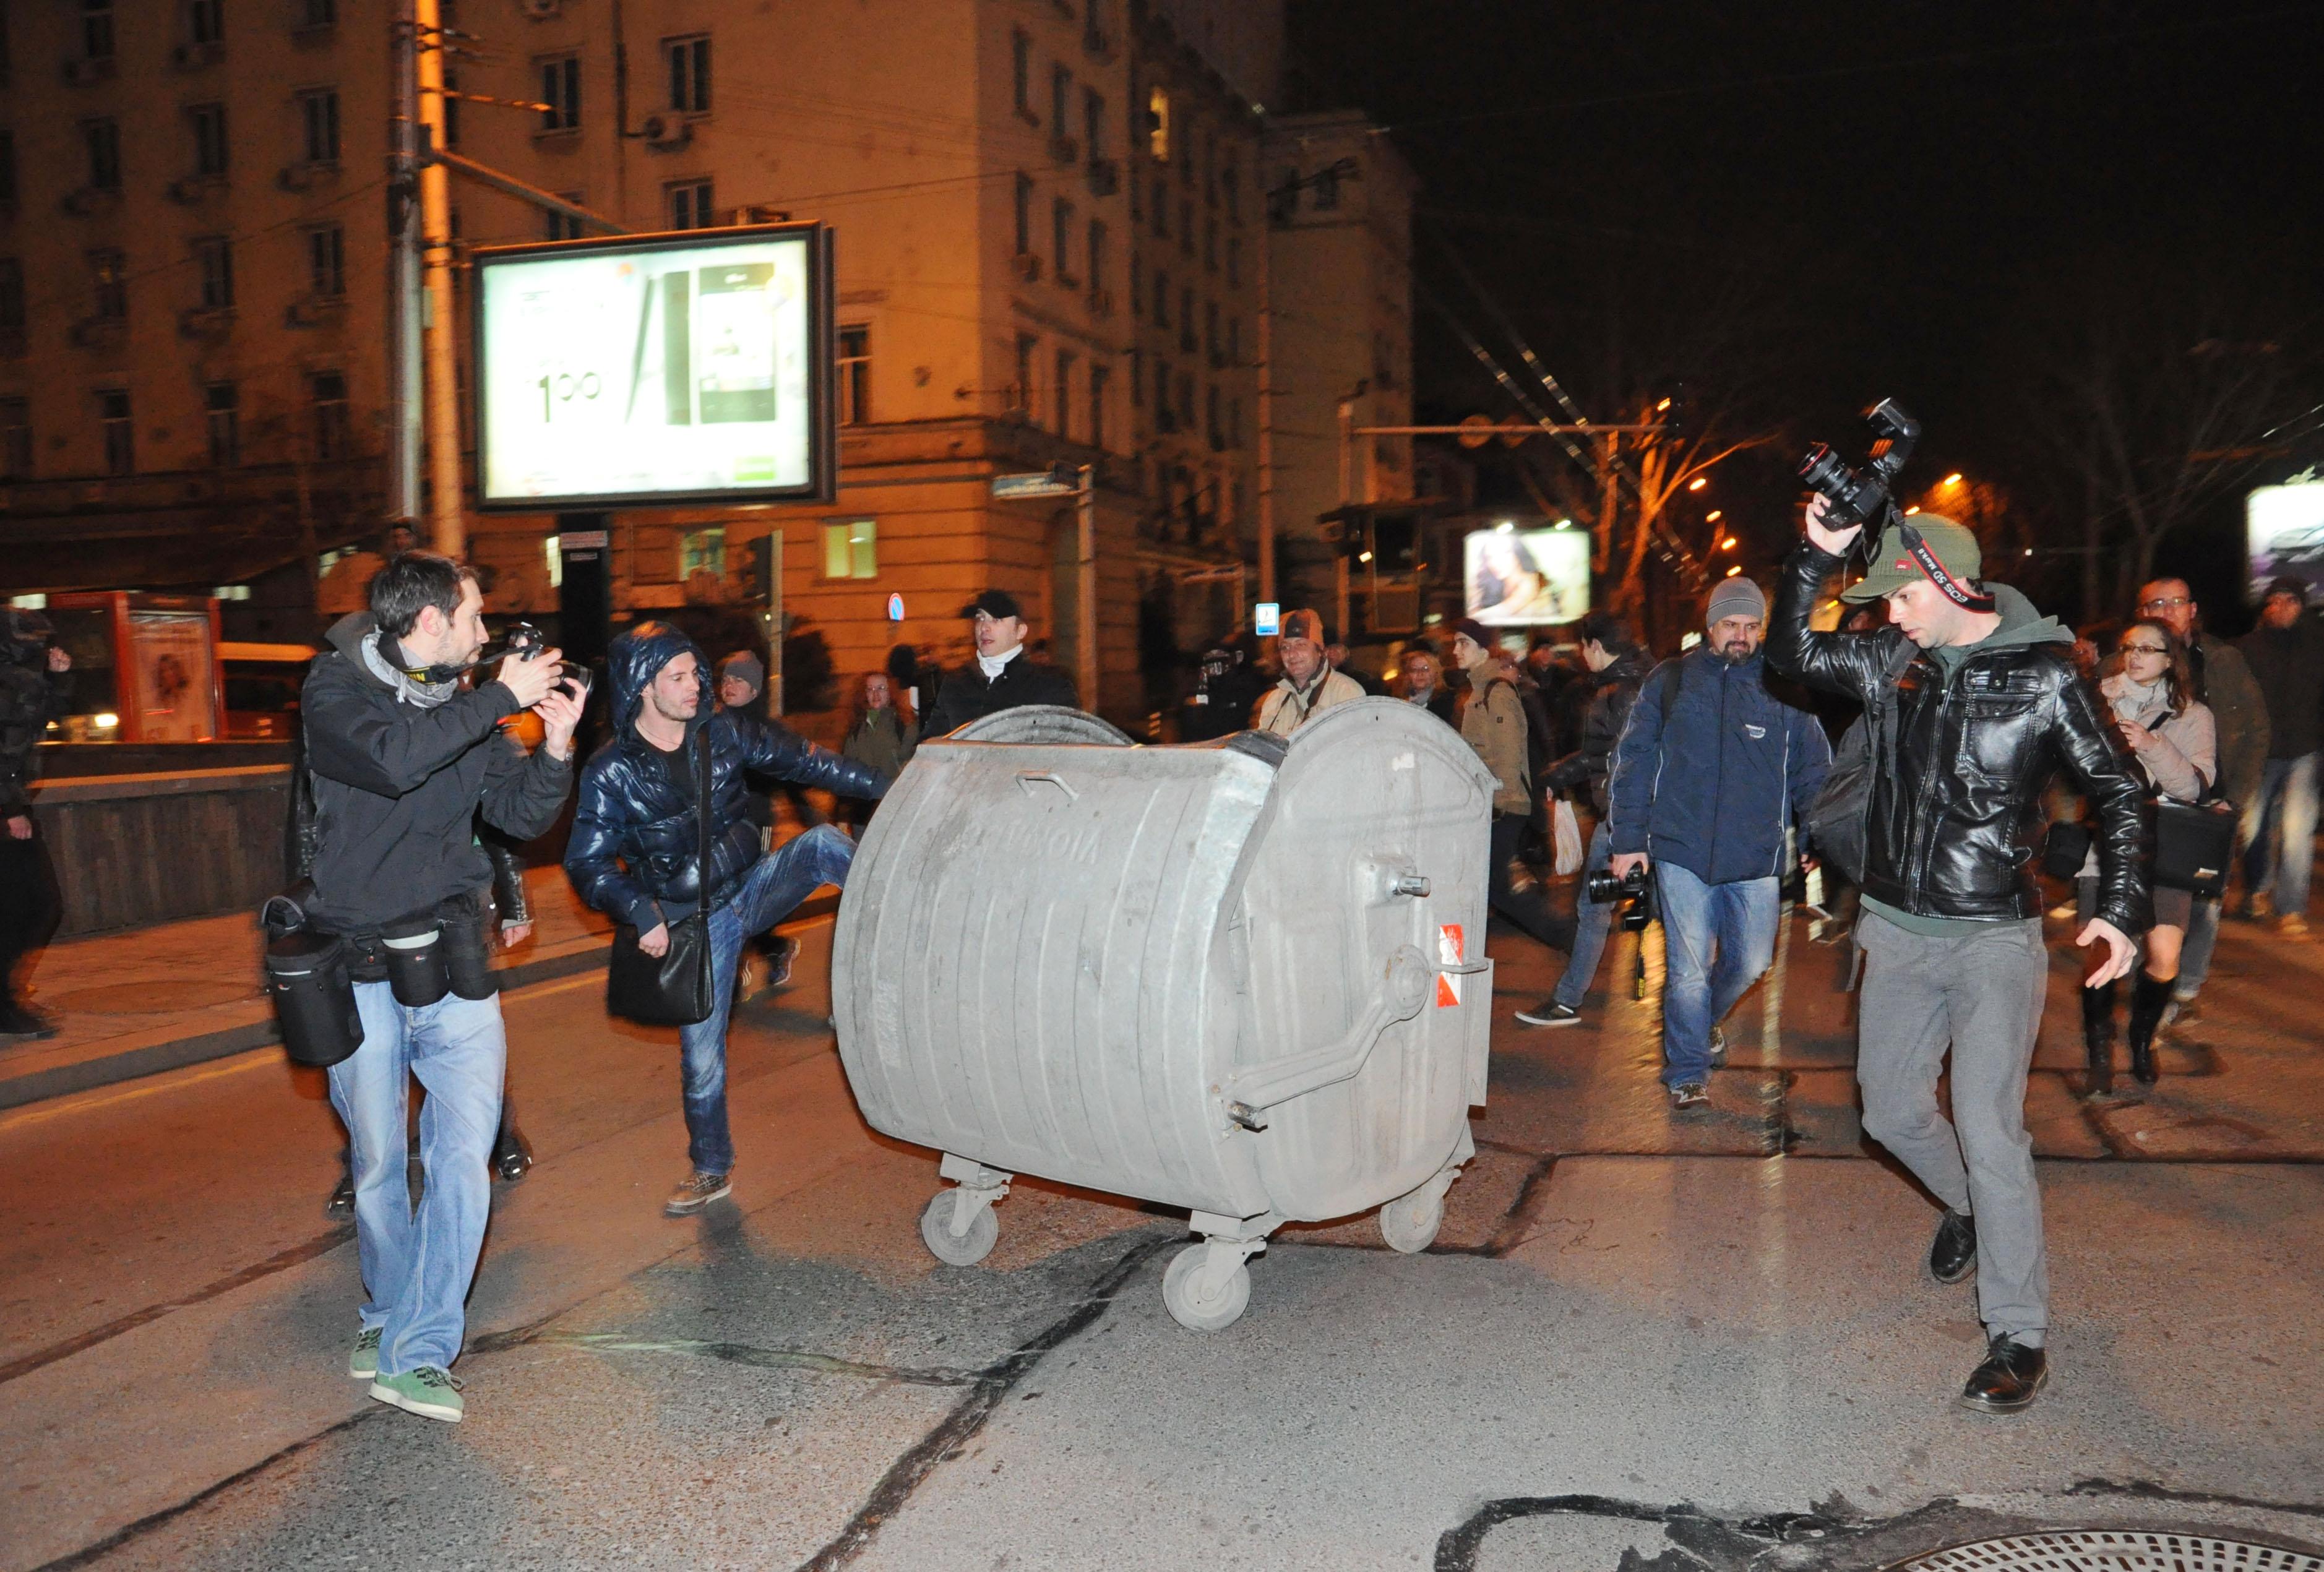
{"x":258,"y":1031}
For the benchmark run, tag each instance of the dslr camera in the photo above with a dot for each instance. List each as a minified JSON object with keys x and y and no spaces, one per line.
{"x":1864,"y":497}
{"x":1632,"y":889}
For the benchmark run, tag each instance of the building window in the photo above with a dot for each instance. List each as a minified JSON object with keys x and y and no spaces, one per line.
{"x":1158,"y":126}
{"x":451,"y":106}
{"x":327,"y":262}
{"x":856,"y":374}
{"x":1060,"y":102}
{"x":222,"y":408}
{"x":12,"y":297}
{"x":689,"y":205}
{"x":1211,"y":411}
{"x":210,"y":141}
{"x":214,"y":264}
{"x":15,"y":439}
{"x":103,"y":139}
{"x":108,"y":273}
{"x":1234,"y":262}
{"x":1098,"y":378}
{"x":1161,"y":208}
{"x":1161,"y":298}
{"x":1326,"y":188}
{"x":1061,"y":236}
{"x":1234,"y":341}
{"x":563,"y":225}
{"x":1029,"y":352}
{"x":1020,"y":45}
{"x":1096,"y":257}
{"x":1186,"y":318}
{"x":96,"y":29}
{"x":120,"y":439}
{"x":316,"y":14}
{"x":1163,"y":419}
{"x":1187,"y":400}
{"x":1094,"y":126}
{"x":1210,"y":243}
{"x":1024,"y":214}
{"x":327,"y":393}
{"x":206,"y":22}
{"x":702,"y":551}
{"x":1136,"y":379}
{"x":1230,"y":190}
{"x":1137,"y":287}
{"x":689,"y":73}
{"x":1234,"y":431}
{"x":850,"y":549}
{"x":561,"y":90}
{"x":1065,"y":393}
{"x":318,"y":121}
{"x":7,"y":169}
{"x":1186,"y":225}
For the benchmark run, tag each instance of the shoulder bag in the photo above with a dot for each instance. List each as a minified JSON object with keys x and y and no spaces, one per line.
{"x":672,"y":988}
{"x":1836,"y":825}
{"x":2194,"y":845}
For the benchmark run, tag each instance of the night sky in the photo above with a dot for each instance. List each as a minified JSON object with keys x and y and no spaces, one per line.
{"x":1808,"y":207}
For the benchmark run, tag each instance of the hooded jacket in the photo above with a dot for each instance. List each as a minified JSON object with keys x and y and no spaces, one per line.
{"x":1712,"y":767}
{"x":399,"y":782}
{"x":633,"y":848}
{"x":1975,"y":735}
{"x":1617,"y":689}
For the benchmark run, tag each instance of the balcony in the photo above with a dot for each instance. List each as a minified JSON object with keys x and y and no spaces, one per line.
{"x":92,"y":200}
{"x":99,"y":331}
{"x":1027,"y":265}
{"x":194,"y":57}
{"x":306,"y":177}
{"x":1063,"y":150}
{"x":206,"y":324}
{"x":195,"y":189}
{"x":87,"y":72}
{"x":312,"y":310}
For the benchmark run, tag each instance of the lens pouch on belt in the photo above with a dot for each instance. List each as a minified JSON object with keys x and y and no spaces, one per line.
{"x":468,"y":949}
{"x":418,"y":972}
{"x":314,"y":999}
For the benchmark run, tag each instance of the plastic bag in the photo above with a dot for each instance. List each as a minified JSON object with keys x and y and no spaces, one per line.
{"x":1566,"y":832}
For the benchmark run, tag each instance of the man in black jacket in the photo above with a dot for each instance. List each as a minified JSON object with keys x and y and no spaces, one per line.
{"x":1985,"y":709}
{"x":1620,"y":665}
{"x":32,"y":692}
{"x":1004,"y":673}
{"x":2286,"y":655}
{"x":402,"y":760}
{"x":635,"y":855}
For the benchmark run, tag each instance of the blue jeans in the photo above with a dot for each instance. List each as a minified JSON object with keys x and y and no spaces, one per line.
{"x":775,"y":886}
{"x":1592,"y":919}
{"x":2285,"y":815}
{"x":1736,"y":919}
{"x":417,"y":1266}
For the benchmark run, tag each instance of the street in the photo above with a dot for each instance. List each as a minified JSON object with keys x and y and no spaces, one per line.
{"x":1694,"y":1341}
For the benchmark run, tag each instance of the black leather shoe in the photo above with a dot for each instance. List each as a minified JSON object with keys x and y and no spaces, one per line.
{"x":1953,"y":1254}
{"x":2008,"y":1379}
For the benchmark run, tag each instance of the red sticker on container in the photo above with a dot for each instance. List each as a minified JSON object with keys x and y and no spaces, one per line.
{"x":1448,"y":953}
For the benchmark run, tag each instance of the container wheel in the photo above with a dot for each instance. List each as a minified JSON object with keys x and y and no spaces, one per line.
{"x":1222,"y":1309}
{"x":1409,"y":1222}
{"x":964,"y":1250}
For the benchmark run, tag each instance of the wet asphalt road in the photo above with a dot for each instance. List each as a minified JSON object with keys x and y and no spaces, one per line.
{"x":1707,"y":1336}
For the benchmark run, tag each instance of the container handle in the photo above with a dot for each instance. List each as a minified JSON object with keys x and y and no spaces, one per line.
{"x":1025,"y":777}
{"x":1409,"y":979}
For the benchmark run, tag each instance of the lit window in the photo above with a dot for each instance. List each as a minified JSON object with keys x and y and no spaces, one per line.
{"x":855,"y":375}
{"x":1158,"y":126}
{"x":850,"y":549}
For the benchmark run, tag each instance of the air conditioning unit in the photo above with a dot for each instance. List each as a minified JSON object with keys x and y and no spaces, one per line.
{"x":1029,"y":266}
{"x":296,"y":177}
{"x":90,"y":199}
{"x":81,"y":73}
{"x":756,"y":213}
{"x":193,"y":57}
{"x":1063,"y":150}
{"x":204,"y":322}
{"x":97,"y":332}
{"x":317,"y":311}
{"x":1097,"y":41}
{"x":1104,"y":177}
{"x":194,"y":188}
{"x":666,"y":130}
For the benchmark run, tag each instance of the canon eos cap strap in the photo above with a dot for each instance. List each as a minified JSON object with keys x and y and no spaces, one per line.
{"x":1953,"y":589}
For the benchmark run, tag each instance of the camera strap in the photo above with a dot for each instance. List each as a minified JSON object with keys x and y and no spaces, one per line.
{"x":1953,"y":589}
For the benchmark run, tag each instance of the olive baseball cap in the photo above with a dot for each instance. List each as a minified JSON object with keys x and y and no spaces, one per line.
{"x":1892,"y":567}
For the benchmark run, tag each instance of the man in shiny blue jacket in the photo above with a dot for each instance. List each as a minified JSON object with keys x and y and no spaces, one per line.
{"x":633,"y":852}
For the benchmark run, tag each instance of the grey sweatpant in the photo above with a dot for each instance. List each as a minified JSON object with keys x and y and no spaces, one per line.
{"x":1981,"y":995}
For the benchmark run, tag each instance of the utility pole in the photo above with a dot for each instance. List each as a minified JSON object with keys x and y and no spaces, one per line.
{"x":403,"y":306}
{"x":1265,"y":404}
{"x":447,"y":530}
{"x":1085,"y":582}
{"x":1608,"y":479}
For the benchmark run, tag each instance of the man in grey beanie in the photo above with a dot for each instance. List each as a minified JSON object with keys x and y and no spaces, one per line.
{"x":1711,"y":771}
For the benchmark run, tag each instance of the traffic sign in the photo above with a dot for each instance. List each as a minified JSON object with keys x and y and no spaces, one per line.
{"x":1039,"y":484}
{"x":1267,"y":619}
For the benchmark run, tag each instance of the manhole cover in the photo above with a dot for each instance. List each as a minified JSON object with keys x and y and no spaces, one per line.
{"x":2102,"y":1551}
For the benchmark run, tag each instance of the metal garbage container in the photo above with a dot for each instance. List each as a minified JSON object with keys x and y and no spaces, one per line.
{"x":1244,"y":977}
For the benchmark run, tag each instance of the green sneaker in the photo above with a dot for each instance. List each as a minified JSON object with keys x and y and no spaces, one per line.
{"x":363,"y":1362}
{"x":428,"y":1391}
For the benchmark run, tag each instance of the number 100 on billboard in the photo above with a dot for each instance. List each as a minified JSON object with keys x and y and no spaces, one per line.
{"x":670,"y":369}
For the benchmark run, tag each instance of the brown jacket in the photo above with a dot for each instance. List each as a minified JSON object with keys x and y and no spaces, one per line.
{"x":1493,"y":722}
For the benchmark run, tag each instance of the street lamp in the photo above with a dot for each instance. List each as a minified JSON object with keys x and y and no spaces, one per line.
{"x":1735,"y":569}
{"x":1728,"y":544}
{"x":1714,"y":516}
{"x":1697,"y":484}
{"x":1953,"y":479}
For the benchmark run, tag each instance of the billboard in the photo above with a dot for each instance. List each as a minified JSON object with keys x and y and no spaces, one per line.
{"x":694,"y":367}
{"x":2283,"y":527}
{"x":1514,"y":578}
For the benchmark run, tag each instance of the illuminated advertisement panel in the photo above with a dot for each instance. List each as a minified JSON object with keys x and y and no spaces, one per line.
{"x":2283,"y":527}
{"x":1513,"y":578}
{"x":693,"y":367}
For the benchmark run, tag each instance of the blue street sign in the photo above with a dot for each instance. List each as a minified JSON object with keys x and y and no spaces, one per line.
{"x":895,"y":608}
{"x":1039,"y":484}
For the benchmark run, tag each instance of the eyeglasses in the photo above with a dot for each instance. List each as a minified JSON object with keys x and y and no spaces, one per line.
{"x":2146,"y":649}
{"x":2164,"y":603}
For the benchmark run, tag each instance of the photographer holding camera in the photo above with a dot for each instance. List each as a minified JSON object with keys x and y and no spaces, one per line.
{"x":1965,"y":727}
{"x":1712,"y":770}
{"x":403,"y":759}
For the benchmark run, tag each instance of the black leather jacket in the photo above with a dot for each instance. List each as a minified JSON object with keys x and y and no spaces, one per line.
{"x":1955,"y":813}
{"x":1602,"y":727}
{"x":633,"y":831}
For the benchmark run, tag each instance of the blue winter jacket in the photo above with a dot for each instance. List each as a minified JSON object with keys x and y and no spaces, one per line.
{"x":1710,"y":780}
{"x":633,"y":849}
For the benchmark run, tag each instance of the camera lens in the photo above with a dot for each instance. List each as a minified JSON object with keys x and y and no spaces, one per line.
{"x":1822,"y":470}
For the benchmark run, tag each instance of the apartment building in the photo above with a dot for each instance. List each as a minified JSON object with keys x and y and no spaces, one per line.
{"x":1049,"y":219}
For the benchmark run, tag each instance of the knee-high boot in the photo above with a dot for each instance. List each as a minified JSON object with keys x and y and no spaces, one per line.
{"x":2097,"y":1036}
{"x":2149,"y":996}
